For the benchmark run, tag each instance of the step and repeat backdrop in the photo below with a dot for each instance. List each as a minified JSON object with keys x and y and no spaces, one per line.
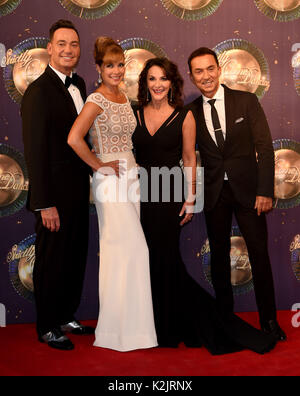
{"x":258,"y":44}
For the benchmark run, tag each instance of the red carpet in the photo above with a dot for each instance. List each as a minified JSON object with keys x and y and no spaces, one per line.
{"x":22,"y":355}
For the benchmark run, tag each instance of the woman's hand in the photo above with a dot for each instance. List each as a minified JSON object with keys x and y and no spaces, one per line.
{"x":188,"y":209}
{"x":112,"y":168}
{"x":189,"y":163}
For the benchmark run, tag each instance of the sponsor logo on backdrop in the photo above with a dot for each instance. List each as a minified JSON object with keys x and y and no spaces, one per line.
{"x":287,"y":174}
{"x":296,"y":317}
{"x":244,"y":66}
{"x":14,"y":181}
{"x":21,"y":260}
{"x":8,"y":6}
{"x":295,"y":252}
{"x":296,"y":66}
{"x":280,"y":10}
{"x":241,"y":271}
{"x":90,"y":9}
{"x":2,"y":315}
{"x":2,"y":55}
{"x":192,"y":10}
{"x":137,"y":52}
{"x":296,"y":57}
{"x":23,"y":65}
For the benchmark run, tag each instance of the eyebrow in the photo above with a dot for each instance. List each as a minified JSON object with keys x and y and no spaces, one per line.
{"x":151,"y":75}
{"x":113,"y":62}
{"x":208,"y":67}
{"x":72,"y":42}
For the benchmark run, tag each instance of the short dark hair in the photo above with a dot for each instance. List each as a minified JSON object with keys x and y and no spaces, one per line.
{"x":172,"y":74}
{"x":202,"y":52}
{"x":62,"y":24}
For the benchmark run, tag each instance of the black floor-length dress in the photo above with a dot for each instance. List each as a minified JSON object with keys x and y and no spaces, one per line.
{"x":183,"y":311}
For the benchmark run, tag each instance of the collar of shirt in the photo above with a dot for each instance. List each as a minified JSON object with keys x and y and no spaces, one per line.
{"x":220,"y":107}
{"x":74,"y":91}
{"x":60,"y":75}
{"x":220,"y":95}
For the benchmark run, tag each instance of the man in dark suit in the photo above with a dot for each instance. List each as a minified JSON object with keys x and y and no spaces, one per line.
{"x":59,"y":189}
{"x":238,"y":158}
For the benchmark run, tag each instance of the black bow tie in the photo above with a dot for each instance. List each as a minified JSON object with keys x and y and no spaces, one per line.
{"x":71,"y":80}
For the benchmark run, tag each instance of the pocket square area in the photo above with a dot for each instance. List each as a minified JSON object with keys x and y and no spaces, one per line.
{"x":239,"y":120}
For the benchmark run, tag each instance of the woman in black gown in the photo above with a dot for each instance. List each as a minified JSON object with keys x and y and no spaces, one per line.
{"x":166,"y":133}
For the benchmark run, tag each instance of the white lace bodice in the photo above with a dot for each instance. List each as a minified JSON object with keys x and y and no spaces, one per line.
{"x":113,"y":128}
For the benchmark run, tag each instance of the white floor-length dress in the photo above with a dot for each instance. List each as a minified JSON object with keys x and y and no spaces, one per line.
{"x":126,"y":320}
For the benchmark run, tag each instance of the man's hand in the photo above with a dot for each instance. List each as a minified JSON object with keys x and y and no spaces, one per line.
{"x":263,"y":205}
{"x":51,"y":219}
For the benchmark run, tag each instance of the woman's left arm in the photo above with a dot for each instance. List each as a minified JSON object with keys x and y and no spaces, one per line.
{"x":190,"y":163}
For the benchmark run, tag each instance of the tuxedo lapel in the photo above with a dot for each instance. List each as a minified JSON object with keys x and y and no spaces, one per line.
{"x":82,"y":90}
{"x":230,"y":111}
{"x":62,"y":88}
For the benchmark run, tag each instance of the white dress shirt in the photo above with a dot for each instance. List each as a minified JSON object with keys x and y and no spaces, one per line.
{"x":74,"y":91}
{"x":220,"y":107}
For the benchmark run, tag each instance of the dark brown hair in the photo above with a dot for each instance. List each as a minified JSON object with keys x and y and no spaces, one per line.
{"x":172,"y":74}
{"x":62,"y":24}
{"x":104,"y":46}
{"x":202,"y":52}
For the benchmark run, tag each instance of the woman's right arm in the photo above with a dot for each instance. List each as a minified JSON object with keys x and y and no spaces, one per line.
{"x":76,"y":140}
{"x":79,"y":131}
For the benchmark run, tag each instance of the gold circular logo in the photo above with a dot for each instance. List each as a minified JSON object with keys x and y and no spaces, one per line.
{"x":283,"y":5}
{"x":244,"y":66}
{"x":24,"y":64}
{"x":8,"y":6}
{"x":191,"y":4}
{"x":90,"y":3}
{"x":14,"y":181}
{"x":21,"y":261}
{"x":296,"y":60}
{"x":297,"y":79}
{"x":25,"y":271}
{"x":241,"y":271}
{"x":295,"y":255}
{"x":280,"y":10}
{"x":192,"y":9}
{"x":25,"y":74}
{"x":90,"y":9}
{"x":296,"y":70}
{"x":287,"y":174}
{"x":137,"y":52}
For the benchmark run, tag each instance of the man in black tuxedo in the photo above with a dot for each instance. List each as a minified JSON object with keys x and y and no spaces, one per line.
{"x":59,"y":189}
{"x":237,"y":154}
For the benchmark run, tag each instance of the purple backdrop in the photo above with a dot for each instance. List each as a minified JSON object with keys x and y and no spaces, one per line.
{"x":148,"y":19}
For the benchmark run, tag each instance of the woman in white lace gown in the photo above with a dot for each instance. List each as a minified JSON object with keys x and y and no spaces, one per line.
{"x":126,"y":319}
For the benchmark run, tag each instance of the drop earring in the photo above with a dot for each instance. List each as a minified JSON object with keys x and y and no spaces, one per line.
{"x":171,"y":96}
{"x":100,"y":79}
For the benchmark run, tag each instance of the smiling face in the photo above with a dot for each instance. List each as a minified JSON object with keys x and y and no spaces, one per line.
{"x":112,"y":69}
{"x":206,"y":75}
{"x":64,"y":50}
{"x":158,"y":84}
